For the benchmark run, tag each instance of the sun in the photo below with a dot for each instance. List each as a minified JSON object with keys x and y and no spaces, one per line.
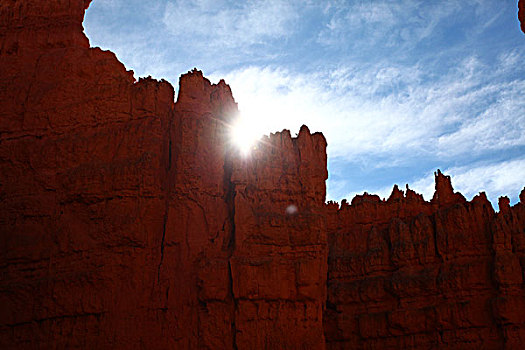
{"x":244,"y":135}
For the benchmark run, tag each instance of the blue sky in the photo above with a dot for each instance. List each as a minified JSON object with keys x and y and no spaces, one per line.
{"x":399,"y":88}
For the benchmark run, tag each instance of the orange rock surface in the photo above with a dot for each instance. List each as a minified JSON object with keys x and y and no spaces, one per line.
{"x":128,"y":220}
{"x":405,"y":273}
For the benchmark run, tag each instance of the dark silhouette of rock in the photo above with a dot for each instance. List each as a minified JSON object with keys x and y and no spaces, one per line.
{"x":128,"y":220}
{"x":405,"y":273}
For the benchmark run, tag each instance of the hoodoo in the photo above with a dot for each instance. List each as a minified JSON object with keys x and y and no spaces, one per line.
{"x":128,"y":220}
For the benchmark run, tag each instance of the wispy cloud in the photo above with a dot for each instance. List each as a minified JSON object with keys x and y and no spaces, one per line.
{"x":399,"y":88}
{"x":389,"y":109}
{"x":132,"y":30}
{"x":229,"y":24}
{"x":501,"y":125}
{"x":167,"y":37}
{"x":389,"y":116}
{"x":500,"y":179}
{"x":385,"y":23}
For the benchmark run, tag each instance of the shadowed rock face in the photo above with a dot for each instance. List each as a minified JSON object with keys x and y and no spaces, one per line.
{"x":405,"y":273}
{"x":127,"y":220}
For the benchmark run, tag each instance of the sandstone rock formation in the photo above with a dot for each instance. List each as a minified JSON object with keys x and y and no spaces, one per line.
{"x":129,"y":221}
{"x":280,"y":247}
{"x":118,"y":213}
{"x":405,"y":273}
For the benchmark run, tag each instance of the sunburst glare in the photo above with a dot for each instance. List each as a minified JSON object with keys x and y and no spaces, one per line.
{"x":244,"y":135}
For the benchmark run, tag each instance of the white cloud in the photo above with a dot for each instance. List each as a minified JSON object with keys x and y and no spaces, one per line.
{"x":386,"y":23}
{"x":393,"y":115}
{"x":130,"y":30}
{"x":381,"y":99}
{"x":229,"y":24}
{"x":403,"y":24}
{"x":388,"y":110}
{"x":501,"y":125}
{"x":499,"y":179}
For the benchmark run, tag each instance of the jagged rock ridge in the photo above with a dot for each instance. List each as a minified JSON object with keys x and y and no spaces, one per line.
{"x":405,"y":273}
{"x":127,"y":220}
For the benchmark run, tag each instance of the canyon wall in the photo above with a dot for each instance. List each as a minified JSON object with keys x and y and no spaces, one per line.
{"x":405,"y":273}
{"x":124,"y":216}
{"x":280,"y":246}
{"x":84,"y":183}
{"x":128,"y":220}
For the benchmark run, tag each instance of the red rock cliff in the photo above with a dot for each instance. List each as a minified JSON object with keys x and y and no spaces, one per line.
{"x":120,"y":220}
{"x":405,"y":273}
{"x":280,"y":245}
{"x":128,"y":221}
{"x":84,"y":168}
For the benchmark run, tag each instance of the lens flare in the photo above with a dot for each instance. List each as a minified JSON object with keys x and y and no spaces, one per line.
{"x":291,"y":209}
{"x":244,"y":136}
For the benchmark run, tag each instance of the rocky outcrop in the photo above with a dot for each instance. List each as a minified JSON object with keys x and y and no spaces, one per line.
{"x":280,"y":245}
{"x":130,"y":221}
{"x":405,"y":273}
{"x":84,"y":169}
{"x":118,"y":212}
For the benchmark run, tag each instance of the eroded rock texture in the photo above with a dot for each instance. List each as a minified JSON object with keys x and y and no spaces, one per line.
{"x":128,"y":221}
{"x":118,"y":215}
{"x":405,"y":273}
{"x":280,"y":248}
{"x":84,"y":169}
